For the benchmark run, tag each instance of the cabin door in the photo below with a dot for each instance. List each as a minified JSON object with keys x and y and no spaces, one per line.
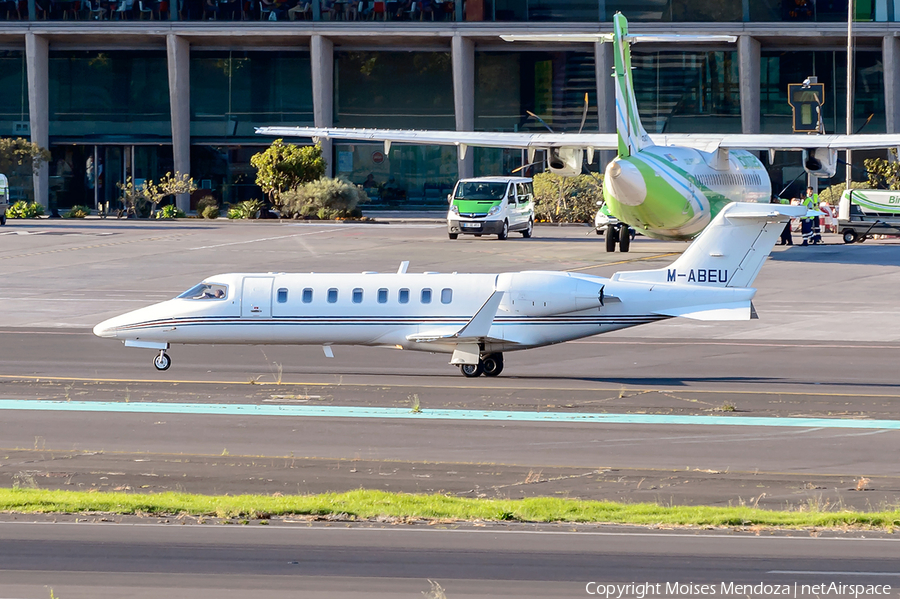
{"x":256,"y":298}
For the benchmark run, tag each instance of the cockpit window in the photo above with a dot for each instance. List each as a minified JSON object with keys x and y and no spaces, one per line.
{"x":205,"y":291}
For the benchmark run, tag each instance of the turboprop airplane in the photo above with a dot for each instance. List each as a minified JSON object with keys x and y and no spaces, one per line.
{"x":669,"y":186}
{"x":473,"y":317}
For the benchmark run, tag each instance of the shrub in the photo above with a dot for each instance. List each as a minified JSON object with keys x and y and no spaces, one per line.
{"x":208,"y":207}
{"x":25,"y":210}
{"x":210,"y":212}
{"x":561,"y":199}
{"x":283,"y":167}
{"x":326,"y":198}
{"x":78,"y":212}
{"x":170,"y":211}
{"x":245,"y":209}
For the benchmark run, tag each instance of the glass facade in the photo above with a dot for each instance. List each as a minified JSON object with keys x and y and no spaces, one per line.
{"x":108,"y":95}
{"x":233,"y":92}
{"x":403,"y":90}
{"x":224,"y":172}
{"x":573,"y":11}
{"x":14,"y":99}
{"x":685,"y":92}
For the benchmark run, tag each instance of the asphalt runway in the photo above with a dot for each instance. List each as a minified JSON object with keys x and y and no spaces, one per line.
{"x":98,"y":561}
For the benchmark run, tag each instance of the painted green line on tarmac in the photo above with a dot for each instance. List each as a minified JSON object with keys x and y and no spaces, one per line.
{"x":428,"y":414}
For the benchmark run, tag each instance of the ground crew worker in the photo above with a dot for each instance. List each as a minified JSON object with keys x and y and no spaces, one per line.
{"x":806,"y":222}
{"x":812,"y":203}
{"x":786,"y":237}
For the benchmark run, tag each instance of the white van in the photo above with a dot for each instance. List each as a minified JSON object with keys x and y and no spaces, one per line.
{"x":4,"y":198}
{"x":491,"y":206}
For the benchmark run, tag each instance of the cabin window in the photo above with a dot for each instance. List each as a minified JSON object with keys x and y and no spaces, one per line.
{"x":205,"y":291}
{"x":446,"y":296}
{"x":426,"y":296}
{"x":382,"y":296}
{"x":357,"y":296}
{"x":307,"y":296}
{"x":403,"y":296}
{"x":332,"y":295}
{"x":282,"y":296}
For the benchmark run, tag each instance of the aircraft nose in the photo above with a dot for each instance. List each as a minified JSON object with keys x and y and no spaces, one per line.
{"x":626,"y":183}
{"x":106,"y":329}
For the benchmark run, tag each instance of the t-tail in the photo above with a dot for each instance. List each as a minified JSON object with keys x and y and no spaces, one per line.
{"x":632,"y":136}
{"x":729,"y":253}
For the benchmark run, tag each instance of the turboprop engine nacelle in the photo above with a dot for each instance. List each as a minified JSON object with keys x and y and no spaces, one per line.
{"x":565,"y":161}
{"x":821,"y":162}
{"x":538,"y":293}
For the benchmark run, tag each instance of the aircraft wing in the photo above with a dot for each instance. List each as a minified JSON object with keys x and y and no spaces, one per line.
{"x":480,"y":139}
{"x":475,"y":330}
{"x":712,"y":142}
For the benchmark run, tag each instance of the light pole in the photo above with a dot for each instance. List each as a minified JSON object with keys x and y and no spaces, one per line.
{"x":849,"y":171}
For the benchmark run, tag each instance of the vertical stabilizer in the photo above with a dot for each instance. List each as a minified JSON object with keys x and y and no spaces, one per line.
{"x":632,"y":137}
{"x":730,"y":251}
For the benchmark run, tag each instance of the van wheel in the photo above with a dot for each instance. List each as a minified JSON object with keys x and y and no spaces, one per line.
{"x":504,"y":232}
{"x":527,"y":233}
{"x":850,"y":236}
{"x":624,"y":238}
{"x":453,"y":235}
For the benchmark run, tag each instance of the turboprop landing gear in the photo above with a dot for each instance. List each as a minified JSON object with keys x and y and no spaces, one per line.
{"x":162,"y":361}
{"x":488,"y":365}
{"x":620,"y":234}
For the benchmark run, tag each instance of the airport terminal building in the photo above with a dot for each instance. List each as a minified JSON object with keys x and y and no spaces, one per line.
{"x":133,"y":88}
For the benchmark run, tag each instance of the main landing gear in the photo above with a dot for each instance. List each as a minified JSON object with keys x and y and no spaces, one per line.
{"x":621,"y":234}
{"x":162,"y":361}
{"x":488,"y":365}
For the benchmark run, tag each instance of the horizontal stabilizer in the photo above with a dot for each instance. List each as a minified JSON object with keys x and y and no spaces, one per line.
{"x":729,"y":311}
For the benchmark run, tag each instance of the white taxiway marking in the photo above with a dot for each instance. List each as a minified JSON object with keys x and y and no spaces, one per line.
{"x":207,"y":247}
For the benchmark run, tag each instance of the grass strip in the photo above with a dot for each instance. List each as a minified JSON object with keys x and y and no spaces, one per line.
{"x":364,"y":504}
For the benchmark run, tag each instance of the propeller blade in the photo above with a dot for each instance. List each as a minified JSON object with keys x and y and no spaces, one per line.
{"x":540,"y":120}
{"x":584,"y":113}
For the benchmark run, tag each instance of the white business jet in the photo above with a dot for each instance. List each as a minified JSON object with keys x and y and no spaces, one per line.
{"x":474,"y":317}
{"x":668,"y":186}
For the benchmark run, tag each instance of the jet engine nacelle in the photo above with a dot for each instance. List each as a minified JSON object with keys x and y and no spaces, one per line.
{"x":538,"y":293}
{"x":820,"y":162}
{"x":565,"y":161}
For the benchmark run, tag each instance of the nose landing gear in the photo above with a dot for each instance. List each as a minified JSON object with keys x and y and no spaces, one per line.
{"x":162,"y":361}
{"x":488,"y":365}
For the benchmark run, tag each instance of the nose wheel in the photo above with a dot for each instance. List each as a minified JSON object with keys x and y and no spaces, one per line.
{"x":162,"y":361}
{"x":488,"y":365}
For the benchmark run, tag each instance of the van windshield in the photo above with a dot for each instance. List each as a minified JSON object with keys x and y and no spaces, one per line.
{"x":480,"y":190}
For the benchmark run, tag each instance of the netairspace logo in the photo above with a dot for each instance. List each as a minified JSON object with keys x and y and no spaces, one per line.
{"x":640,"y":590}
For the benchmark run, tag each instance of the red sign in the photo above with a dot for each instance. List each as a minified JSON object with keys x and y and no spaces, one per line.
{"x":377,"y":157}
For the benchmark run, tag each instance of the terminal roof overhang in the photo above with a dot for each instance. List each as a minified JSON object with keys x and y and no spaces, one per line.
{"x":414,"y":36}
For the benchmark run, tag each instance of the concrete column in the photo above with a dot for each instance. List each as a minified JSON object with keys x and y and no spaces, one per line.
{"x":606,"y":96}
{"x":748,"y":64}
{"x":322,"y":56}
{"x":891,"y":60}
{"x":37,"y":63}
{"x":178,"y":53}
{"x":463,"y":55}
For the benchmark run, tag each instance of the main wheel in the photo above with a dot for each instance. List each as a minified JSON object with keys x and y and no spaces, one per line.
{"x":504,"y":232}
{"x":492,"y":364}
{"x":162,"y":361}
{"x":3,"y":219}
{"x":527,"y":233}
{"x":612,"y":237}
{"x":452,"y":235}
{"x":624,"y":238}
{"x":471,"y":370}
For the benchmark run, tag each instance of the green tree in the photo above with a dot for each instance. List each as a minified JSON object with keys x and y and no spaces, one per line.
{"x":20,"y":159}
{"x":282,"y":167}
{"x":561,"y":199}
{"x":883,"y":174}
{"x":142,"y":200}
